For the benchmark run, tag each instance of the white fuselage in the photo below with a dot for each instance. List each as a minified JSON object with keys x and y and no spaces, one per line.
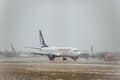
{"x":62,"y":51}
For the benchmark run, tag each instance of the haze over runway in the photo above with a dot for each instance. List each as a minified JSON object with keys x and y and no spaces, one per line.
{"x":74,"y":23}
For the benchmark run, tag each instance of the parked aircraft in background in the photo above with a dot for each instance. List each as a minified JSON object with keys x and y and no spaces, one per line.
{"x":18,"y":53}
{"x":13,"y":49}
{"x":53,"y":52}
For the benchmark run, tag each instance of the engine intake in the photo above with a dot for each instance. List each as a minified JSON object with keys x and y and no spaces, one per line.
{"x":51,"y":57}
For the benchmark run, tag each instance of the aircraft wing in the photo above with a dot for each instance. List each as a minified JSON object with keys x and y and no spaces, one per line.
{"x":39,"y":53}
{"x":34,"y":48}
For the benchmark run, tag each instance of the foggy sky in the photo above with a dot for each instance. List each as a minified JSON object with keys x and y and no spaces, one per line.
{"x":68,"y":23}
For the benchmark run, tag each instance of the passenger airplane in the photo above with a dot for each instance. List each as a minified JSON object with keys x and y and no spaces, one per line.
{"x":53,"y":52}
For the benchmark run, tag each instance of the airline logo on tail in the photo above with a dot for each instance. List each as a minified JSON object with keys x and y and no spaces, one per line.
{"x":42,"y":42}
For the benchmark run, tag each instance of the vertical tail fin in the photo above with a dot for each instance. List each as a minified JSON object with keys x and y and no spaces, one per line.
{"x":91,"y":48}
{"x":42,"y":42}
{"x":12,"y":47}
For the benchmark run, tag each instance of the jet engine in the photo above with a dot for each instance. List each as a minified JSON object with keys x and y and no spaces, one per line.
{"x":51,"y":57}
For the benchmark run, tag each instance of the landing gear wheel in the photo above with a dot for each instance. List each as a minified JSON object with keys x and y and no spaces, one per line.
{"x":75,"y":59}
{"x":64,"y":58}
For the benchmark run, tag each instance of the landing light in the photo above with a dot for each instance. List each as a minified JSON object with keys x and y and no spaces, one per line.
{"x":58,"y":54}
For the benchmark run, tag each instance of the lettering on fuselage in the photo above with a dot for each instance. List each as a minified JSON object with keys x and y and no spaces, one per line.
{"x":63,"y":49}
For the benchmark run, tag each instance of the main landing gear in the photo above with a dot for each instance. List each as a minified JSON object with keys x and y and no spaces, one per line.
{"x":75,"y":58}
{"x":64,"y":58}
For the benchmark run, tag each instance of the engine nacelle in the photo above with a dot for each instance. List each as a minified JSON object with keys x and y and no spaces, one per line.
{"x":51,"y":57}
